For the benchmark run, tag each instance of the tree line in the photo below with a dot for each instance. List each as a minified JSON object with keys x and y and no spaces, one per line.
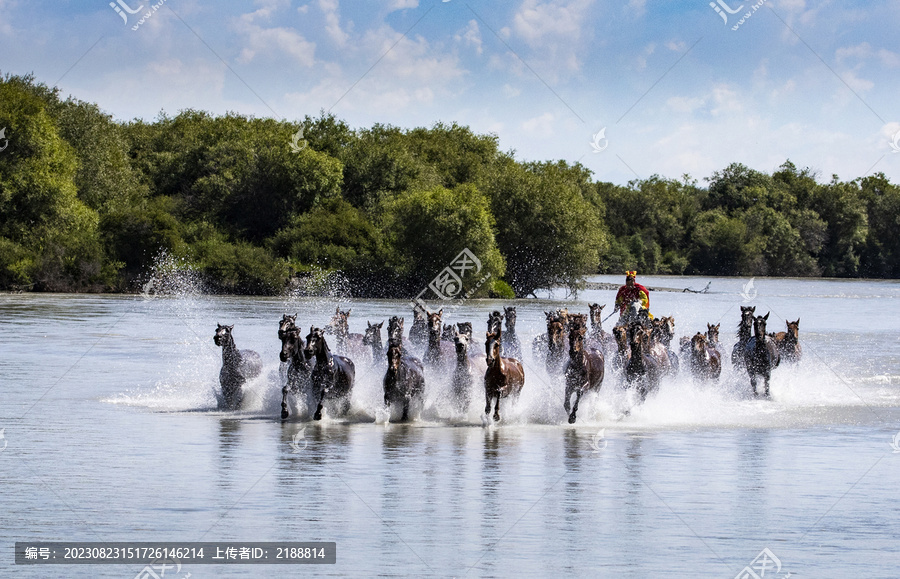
{"x":87,"y":203}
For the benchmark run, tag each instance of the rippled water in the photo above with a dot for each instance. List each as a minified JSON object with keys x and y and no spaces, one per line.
{"x":111,"y":435}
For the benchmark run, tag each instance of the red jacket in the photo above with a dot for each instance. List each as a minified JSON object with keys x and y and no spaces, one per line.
{"x":627,"y":295}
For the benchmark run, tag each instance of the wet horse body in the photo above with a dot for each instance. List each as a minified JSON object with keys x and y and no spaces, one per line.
{"x":512,"y":347}
{"x":744,"y":335}
{"x":788,"y":342}
{"x":584,"y":370}
{"x":238,"y":366}
{"x":300,"y":366}
{"x":463,"y":378}
{"x":646,"y":365}
{"x":332,"y":376}
{"x":761,"y":355}
{"x":705,"y":360}
{"x":346,"y":343}
{"x":439,"y":353}
{"x":503,"y":378}
{"x":404,"y":381}
{"x":598,"y":337}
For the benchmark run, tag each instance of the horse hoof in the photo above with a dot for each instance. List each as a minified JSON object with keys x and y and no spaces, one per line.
{"x":496,"y":418}
{"x":572,"y":419}
{"x":284,"y":414}
{"x":317,"y":415}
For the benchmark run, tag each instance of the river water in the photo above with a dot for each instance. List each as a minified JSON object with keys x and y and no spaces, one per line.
{"x":110,"y":433}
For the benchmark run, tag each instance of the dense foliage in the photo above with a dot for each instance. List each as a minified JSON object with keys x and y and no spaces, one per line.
{"x":87,"y":203}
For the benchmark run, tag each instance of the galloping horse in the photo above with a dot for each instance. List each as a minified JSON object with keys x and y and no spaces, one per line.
{"x":511,"y":345}
{"x":712,"y":336}
{"x":464,"y":373}
{"x":495,"y":322}
{"x":760,"y":354}
{"x":623,"y":350}
{"x":584,"y":370}
{"x":646,"y":366}
{"x":744,"y":334}
{"x":346,"y":343}
{"x":238,"y":366}
{"x":332,"y":377}
{"x":438,"y":353}
{"x":372,"y":338}
{"x":504,"y":376}
{"x":789,"y":342}
{"x":598,"y":337}
{"x":404,"y":381}
{"x":299,"y":365}
{"x":706,"y":362}
{"x":662,"y":331}
{"x":395,"y":332}
{"x":418,"y":333}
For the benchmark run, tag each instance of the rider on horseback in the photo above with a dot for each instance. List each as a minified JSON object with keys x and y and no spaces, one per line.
{"x":629,"y":294}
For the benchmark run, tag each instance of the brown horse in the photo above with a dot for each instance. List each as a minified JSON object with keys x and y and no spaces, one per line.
{"x":647,"y":365}
{"x":404,"y":381}
{"x":712,"y":336}
{"x":418,"y":333}
{"x":464,"y":374}
{"x":511,"y":345}
{"x":760,"y":354}
{"x":598,"y":337}
{"x":584,"y":370}
{"x":373,"y":340}
{"x":744,"y":335}
{"x":789,"y":342}
{"x":345,"y":342}
{"x":395,"y":332}
{"x":623,"y":350}
{"x":706,"y":362}
{"x":439,"y":353}
{"x":504,"y":376}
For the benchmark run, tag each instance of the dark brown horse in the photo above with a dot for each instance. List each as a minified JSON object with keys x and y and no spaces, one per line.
{"x":504,"y":376}
{"x":623,"y":349}
{"x":744,"y":334}
{"x":404,"y":381}
{"x":463,"y":374}
{"x":760,"y":354}
{"x":706,"y":361}
{"x":646,"y":366}
{"x":584,"y":370}
{"x":346,"y":343}
{"x":712,"y":336}
{"x":511,"y":345}
{"x":438,"y":353}
{"x":372,"y":338}
{"x":238,"y":366}
{"x":395,"y":332}
{"x":300,"y":366}
{"x":418,"y":333}
{"x":598,"y":337}
{"x":332,"y":377}
{"x":789,"y":342}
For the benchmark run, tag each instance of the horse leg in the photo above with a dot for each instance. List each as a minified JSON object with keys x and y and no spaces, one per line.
{"x":405,"y":416}
{"x":753,"y":383}
{"x":284,"y":407}
{"x":497,"y":409}
{"x":487,"y":406}
{"x":574,"y":406}
{"x":766,"y":377}
{"x":566,"y":404}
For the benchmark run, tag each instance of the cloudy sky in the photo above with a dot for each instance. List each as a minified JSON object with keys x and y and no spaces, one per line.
{"x":667,"y":87}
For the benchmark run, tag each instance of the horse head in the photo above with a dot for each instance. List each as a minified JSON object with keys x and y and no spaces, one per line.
{"x":373,"y":334}
{"x":576,"y":340}
{"x":712,"y":333}
{"x":510,"y":315}
{"x":461,"y":342}
{"x":465,"y":328}
{"x":290,"y":343}
{"x":492,"y":347}
{"x":577,"y":321}
{"x":620,"y":335}
{"x":223,"y":335}
{"x":698,"y":344}
{"x":419,"y":313}
{"x":793,"y":329}
{"x":315,"y":342}
{"x":395,"y":328}
{"x":495,"y":321}
{"x":596,"y":314}
{"x":555,"y":334}
{"x":434,"y":322}
{"x":746,"y":317}
{"x":394,"y":354}
{"x":759,"y":326}
{"x":287,"y":323}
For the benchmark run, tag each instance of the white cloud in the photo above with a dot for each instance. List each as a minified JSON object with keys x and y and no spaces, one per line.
{"x":637,"y":7}
{"x":685,"y":104}
{"x":402,"y":4}
{"x":471,"y":36}
{"x":333,"y":21}
{"x":644,"y":55}
{"x":271,"y":41}
{"x":676,"y":45}
{"x":543,"y":125}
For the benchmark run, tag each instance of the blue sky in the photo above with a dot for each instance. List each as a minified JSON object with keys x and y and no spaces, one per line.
{"x":677,"y":89}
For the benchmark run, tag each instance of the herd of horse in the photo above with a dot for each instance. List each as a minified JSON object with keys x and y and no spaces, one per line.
{"x":574,"y":347}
